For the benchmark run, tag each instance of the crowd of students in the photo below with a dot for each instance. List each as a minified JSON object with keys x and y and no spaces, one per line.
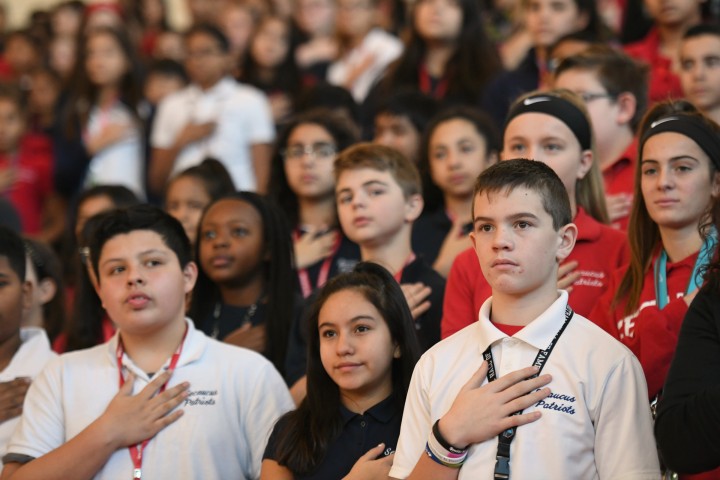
{"x":326,"y":239}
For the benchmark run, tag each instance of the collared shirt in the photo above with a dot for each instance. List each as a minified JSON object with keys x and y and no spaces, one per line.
{"x":243,"y":118}
{"x":619,"y":177}
{"x":361,"y":432}
{"x":664,"y":82}
{"x":235,"y":397}
{"x":596,"y":423}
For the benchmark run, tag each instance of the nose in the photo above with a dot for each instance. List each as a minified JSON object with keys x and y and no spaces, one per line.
{"x":134,"y":276}
{"x":501,"y":239}
{"x":664,"y":179}
{"x":453,"y":159}
{"x":344,"y":345}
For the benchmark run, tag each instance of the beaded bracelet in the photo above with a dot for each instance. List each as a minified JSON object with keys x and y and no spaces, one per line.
{"x":440,"y":450}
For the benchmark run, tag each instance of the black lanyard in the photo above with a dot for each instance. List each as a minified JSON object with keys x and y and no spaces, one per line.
{"x":502,"y":464}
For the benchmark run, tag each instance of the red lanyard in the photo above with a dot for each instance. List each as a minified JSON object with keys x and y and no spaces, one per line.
{"x":398,"y":274}
{"x":426,"y":84}
{"x":136,"y":451}
{"x":305,"y":283}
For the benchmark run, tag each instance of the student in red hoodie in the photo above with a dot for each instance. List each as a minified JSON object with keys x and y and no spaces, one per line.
{"x":551,"y":127}
{"x":676,"y":180}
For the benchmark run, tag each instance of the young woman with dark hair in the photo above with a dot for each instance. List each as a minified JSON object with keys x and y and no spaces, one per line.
{"x":361,"y":353}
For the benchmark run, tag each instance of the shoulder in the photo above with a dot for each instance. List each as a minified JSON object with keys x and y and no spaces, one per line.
{"x":593,"y":343}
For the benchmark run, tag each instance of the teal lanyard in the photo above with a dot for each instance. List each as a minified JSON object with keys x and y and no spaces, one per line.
{"x":660,"y":270}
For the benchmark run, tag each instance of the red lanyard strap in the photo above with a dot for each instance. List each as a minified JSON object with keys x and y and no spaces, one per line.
{"x":136,"y":451}
{"x":305,"y":284}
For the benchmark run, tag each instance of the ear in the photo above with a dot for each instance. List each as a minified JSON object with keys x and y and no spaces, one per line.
{"x":190,"y":274}
{"x":27,"y":294}
{"x":397,"y":353}
{"x":413,"y":207}
{"x":566,"y":241}
{"x":492,"y":158}
{"x":586,"y":160}
{"x":47,"y":289}
{"x":716,"y":187}
{"x":627,"y":105}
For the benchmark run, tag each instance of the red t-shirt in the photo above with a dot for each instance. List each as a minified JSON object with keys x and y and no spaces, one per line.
{"x":599,"y":250}
{"x":34,"y":183}
{"x":619,"y":177}
{"x":664,"y":83}
{"x":649,"y":332}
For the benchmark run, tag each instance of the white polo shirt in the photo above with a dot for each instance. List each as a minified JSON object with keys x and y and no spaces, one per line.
{"x":243,"y":118}
{"x":34,"y":353}
{"x":596,"y":424}
{"x":236,"y":396}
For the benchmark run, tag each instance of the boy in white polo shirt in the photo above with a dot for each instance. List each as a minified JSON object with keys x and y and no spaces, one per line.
{"x":592,"y":422}
{"x":110,"y":411}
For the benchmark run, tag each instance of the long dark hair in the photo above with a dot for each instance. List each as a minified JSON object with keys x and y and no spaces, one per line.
{"x":212,"y":174}
{"x":339,"y":128}
{"x":84,"y":94}
{"x":643,"y":233}
{"x":474,"y":63}
{"x":309,"y":430}
{"x":279,"y":280}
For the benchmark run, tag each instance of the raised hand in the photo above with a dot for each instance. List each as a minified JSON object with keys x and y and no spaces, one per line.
{"x":567,"y":275}
{"x":313,"y":246}
{"x":416,"y":295}
{"x":248,"y":336}
{"x":12,"y":396}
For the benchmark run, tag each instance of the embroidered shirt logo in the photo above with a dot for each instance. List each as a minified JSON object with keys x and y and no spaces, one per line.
{"x":558,"y":402}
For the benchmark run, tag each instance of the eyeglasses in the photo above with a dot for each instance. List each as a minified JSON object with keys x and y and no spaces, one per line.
{"x":320,"y":150}
{"x":589,"y":97}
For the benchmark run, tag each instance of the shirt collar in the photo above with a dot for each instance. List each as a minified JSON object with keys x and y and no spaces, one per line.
{"x":538,"y":333}
{"x":220,"y":89}
{"x":383,"y":412}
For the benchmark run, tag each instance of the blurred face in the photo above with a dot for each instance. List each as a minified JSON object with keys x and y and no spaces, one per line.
{"x":14,"y":298}
{"x":159,"y":86}
{"x":371,"y":206}
{"x":675,"y":180}
{"x":11,"y":125}
{"x":457,"y":155}
{"x":66,"y":22}
{"x":44,"y":93}
{"x":89,"y":208}
{"x":105,"y":62}
{"x":20,"y":54}
{"x":308,"y":162}
{"x":315,"y":17}
{"x":355,"y":17}
{"x":271,"y":43}
{"x":62,"y":55}
{"x":548,"y":20}
{"x":516,"y":244}
{"x":141,"y":284}
{"x":604,"y":110}
{"x":674,"y":12}
{"x":399,"y":133}
{"x":186,"y":198}
{"x":232,"y":249}
{"x":438,"y":20}
{"x":170,"y":45}
{"x":700,"y":71}
{"x":153,"y":12}
{"x":237,"y":25}
{"x":356,"y":348}
{"x":206,"y":63}
{"x":545,"y":138}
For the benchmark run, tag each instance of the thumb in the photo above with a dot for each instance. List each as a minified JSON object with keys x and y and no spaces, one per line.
{"x":477,"y":379}
{"x":373,"y":453}
{"x":127,"y":387}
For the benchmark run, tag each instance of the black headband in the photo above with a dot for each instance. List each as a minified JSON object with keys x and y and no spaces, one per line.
{"x":693,"y":128}
{"x":558,"y":107}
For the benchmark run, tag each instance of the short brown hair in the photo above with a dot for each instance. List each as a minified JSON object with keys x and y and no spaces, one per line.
{"x":383,"y":159}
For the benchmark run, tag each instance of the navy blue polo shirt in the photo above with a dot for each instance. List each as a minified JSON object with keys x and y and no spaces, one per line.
{"x":360,"y":433}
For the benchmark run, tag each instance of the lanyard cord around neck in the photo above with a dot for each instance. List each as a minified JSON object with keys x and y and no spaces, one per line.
{"x":136,"y":451}
{"x":660,"y":270}
{"x":502,"y":459}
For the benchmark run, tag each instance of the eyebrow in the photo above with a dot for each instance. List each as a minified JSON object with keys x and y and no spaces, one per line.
{"x":151,"y":251}
{"x":366,"y":184}
{"x":516,"y":216}
{"x":352,"y":320}
{"x":673,"y":159}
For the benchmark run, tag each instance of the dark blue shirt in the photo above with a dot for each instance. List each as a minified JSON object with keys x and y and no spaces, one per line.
{"x":360,"y":433}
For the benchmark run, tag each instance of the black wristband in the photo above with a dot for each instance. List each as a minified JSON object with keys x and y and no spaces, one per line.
{"x":444,"y":443}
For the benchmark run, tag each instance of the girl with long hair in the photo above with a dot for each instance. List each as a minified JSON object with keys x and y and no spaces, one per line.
{"x":670,"y":240}
{"x":362,"y":350}
{"x":245,"y":292}
{"x":303,"y":185}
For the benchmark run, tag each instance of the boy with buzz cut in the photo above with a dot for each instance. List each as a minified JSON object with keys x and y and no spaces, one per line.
{"x":614,"y":87}
{"x":700,"y":68}
{"x":579,"y":407}
{"x":23,"y":351}
{"x":111,"y":411}
{"x":379,"y":196}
